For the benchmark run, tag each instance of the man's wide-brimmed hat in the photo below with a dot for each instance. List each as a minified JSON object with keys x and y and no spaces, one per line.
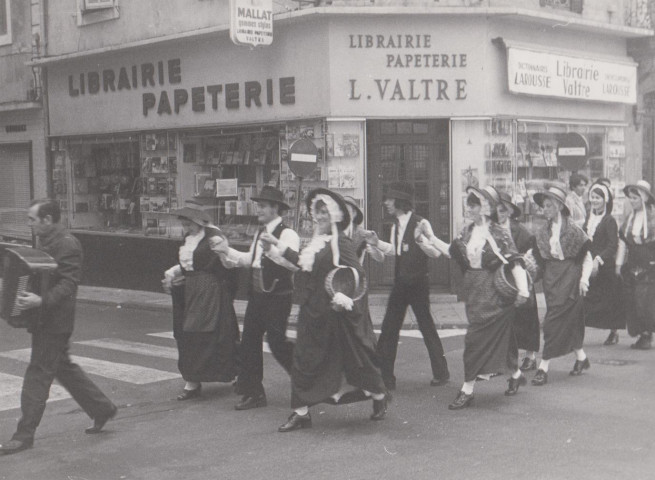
{"x":341,"y":203}
{"x":400,"y":191}
{"x":195,"y":215}
{"x":555,"y":193}
{"x":271,"y":194}
{"x":642,"y":186}
{"x":359,"y":216}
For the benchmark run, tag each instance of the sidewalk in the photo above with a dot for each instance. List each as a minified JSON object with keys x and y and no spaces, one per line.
{"x":446,"y":310}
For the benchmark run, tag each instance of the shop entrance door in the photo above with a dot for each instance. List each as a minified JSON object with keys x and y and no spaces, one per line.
{"x":416,"y":152}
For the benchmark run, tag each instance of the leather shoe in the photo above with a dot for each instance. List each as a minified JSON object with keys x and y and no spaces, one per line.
{"x":99,"y":422}
{"x":379,"y":408}
{"x":15,"y":446}
{"x":439,"y":382}
{"x":463,"y":400}
{"x":644,"y":342}
{"x":612,"y":339}
{"x":248,"y":402}
{"x":579,"y":366}
{"x":514,"y":384}
{"x":296,"y":422}
{"x":189,"y":394}
{"x":540,"y":378}
{"x":528,"y":364}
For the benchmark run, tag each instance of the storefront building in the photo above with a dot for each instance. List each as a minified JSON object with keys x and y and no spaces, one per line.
{"x":439,"y":100}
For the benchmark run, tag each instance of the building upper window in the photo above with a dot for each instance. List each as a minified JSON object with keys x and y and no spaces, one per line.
{"x":5,"y":22}
{"x":98,"y":4}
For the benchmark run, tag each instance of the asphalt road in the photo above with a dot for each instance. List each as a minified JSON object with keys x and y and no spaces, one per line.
{"x":598,"y":426}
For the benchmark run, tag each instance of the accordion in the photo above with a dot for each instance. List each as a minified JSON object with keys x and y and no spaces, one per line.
{"x":24,"y":270}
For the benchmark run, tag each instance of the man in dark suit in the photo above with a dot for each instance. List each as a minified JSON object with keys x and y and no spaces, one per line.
{"x":412,"y":243}
{"x":51,"y":336}
{"x":270,"y":292}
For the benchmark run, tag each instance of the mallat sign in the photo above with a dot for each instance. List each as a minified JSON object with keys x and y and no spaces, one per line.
{"x":251,"y":22}
{"x":546,"y":74}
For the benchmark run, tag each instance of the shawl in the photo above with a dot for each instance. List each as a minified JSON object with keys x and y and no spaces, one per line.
{"x":625,"y":233}
{"x":571,"y":238}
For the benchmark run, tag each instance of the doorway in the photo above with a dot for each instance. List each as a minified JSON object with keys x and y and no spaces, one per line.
{"x":417,"y":152}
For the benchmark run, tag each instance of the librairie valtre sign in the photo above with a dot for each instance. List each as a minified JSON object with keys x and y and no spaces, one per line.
{"x":415,"y":69}
{"x":162,"y":94}
{"x":554,"y":75}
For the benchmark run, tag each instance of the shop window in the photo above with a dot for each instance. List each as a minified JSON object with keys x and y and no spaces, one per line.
{"x":387,"y":128}
{"x":94,"y":5}
{"x":90,"y":12}
{"x":569,"y":5}
{"x":5,"y":22}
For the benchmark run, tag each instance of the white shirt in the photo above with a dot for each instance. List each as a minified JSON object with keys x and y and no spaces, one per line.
{"x":555,"y":246}
{"x":288,"y":239}
{"x":594,"y":221}
{"x":427,"y":241}
{"x":476,"y":244}
{"x":185,"y":255}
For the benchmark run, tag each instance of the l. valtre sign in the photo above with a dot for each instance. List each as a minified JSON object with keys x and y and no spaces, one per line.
{"x":547,"y":74}
{"x":149,"y":75}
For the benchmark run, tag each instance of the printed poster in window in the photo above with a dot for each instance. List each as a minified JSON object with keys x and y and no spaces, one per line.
{"x":227,"y":187}
{"x":333,"y":177}
{"x":347,"y":177}
{"x":615,"y":170}
{"x":346,"y":145}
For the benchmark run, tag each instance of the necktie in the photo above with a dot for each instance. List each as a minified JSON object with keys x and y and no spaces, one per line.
{"x":254,"y":250}
{"x":398,"y":239}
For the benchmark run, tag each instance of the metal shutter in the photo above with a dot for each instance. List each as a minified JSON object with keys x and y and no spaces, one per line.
{"x":15,"y":191}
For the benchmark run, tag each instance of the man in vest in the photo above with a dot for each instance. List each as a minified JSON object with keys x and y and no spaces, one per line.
{"x":412,"y":243}
{"x":270,"y":292}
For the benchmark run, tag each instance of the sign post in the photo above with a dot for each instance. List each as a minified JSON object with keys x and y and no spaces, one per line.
{"x":303,"y":158}
{"x":251,"y":22}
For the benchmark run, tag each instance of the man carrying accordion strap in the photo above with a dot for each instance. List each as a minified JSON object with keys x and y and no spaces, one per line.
{"x":51,"y":335}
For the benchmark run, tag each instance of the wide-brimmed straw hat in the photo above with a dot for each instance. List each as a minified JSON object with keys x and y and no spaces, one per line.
{"x":341,"y":203}
{"x":506,"y":200}
{"x":488,"y":192}
{"x":195,"y":215}
{"x":642,"y":186}
{"x":359,"y":216}
{"x":555,"y":193}
{"x":400,"y":191}
{"x":271,"y":194}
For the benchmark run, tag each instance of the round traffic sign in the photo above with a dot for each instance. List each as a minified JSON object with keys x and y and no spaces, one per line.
{"x":303,"y":157}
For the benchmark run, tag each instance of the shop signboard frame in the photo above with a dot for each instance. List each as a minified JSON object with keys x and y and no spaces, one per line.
{"x":251,"y":22}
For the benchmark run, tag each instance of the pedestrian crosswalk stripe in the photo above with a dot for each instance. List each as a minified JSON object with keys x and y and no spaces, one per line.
{"x":168,"y":335}
{"x":132,"y":347}
{"x":11,"y":388}
{"x":114,"y":370}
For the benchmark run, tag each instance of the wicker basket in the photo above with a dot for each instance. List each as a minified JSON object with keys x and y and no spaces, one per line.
{"x":345,"y":280}
{"x":505,"y":286}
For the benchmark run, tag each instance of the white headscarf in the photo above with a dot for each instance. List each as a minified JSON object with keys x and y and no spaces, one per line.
{"x":594,"y":218}
{"x":308,"y":254}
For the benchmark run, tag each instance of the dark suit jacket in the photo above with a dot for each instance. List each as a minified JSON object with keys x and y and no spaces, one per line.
{"x":59,"y":300}
{"x":606,"y":240}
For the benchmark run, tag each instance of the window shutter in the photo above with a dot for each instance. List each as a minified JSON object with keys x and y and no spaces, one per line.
{"x":15,"y":191}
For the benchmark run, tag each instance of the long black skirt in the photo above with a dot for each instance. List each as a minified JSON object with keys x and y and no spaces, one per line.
{"x":526,"y":325}
{"x":490,"y":343}
{"x":639,"y":298}
{"x":330,"y":347}
{"x":206,"y":330}
{"x":564,"y":322}
{"x":603,"y":305}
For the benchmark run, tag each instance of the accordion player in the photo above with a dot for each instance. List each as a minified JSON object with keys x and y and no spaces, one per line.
{"x":24,"y":270}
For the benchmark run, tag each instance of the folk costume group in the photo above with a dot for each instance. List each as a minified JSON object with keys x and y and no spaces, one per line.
{"x":593,"y":274}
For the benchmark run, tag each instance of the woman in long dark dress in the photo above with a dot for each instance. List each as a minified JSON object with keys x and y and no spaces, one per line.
{"x":563,"y":252}
{"x":638,"y":240}
{"x":334,"y":356}
{"x":489,"y":344}
{"x":603,"y":303}
{"x":204,"y":321}
{"x":526,"y":324}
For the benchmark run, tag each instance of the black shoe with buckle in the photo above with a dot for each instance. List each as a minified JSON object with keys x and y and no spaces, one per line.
{"x":644,"y":342}
{"x":540,"y":378}
{"x":15,"y":446}
{"x":514,"y":384}
{"x":296,"y":422}
{"x":99,"y":422}
{"x":189,"y":394}
{"x":612,"y":339}
{"x":579,"y":366}
{"x":380,"y":408}
{"x":528,"y":364}
{"x":463,"y":400}
{"x":248,"y":402}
